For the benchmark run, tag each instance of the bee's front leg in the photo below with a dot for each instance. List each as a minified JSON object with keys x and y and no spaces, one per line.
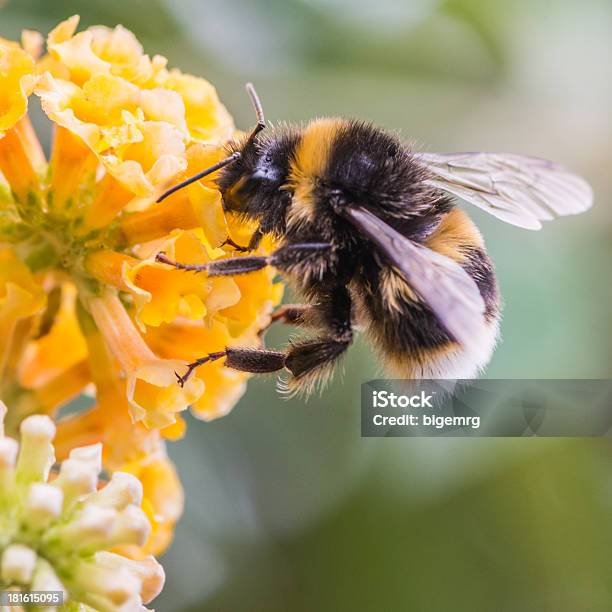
{"x":283,"y":258}
{"x":254,"y":242}
{"x":229,"y":241}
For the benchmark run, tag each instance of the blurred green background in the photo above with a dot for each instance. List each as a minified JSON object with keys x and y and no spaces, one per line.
{"x":287,"y":507}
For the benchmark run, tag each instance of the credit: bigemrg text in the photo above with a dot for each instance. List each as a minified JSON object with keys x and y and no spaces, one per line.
{"x":427,"y":420}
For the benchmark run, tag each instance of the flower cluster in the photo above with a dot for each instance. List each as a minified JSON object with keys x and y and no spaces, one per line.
{"x":65,"y":534}
{"x":84,"y":305}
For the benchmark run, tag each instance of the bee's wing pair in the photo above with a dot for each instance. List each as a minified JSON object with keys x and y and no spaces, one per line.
{"x":518,"y":190}
{"x":514,"y":188}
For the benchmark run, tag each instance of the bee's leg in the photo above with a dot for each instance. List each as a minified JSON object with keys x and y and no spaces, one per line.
{"x":312,"y":361}
{"x":308,"y":361}
{"x":229,"y":241}
{"x":252,"y":360}
{"x":289,"y":314}
{"x":253,"y":242}
{"x":283,"y":259}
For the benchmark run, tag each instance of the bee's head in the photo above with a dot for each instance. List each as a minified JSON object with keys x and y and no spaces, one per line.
{"x":253,"y":182}
{"x":251,"y":177}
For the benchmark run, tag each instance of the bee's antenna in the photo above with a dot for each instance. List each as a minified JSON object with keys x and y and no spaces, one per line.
{"x":224,"y":162}
{"x":258,"y":108}
{"x":261,"y":124}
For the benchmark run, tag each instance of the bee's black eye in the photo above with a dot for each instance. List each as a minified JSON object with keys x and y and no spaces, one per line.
{"x":267,"y":169}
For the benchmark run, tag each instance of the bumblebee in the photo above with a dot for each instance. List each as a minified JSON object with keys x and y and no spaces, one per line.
{"x":369,"y":234}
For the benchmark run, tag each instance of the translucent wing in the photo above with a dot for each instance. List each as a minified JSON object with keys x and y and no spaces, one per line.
{"x":441,"y":283}
{"x":519,"y":190}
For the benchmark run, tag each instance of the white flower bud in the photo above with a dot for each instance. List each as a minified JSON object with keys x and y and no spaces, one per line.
{"x":92,"y":529}
{"x":76,"y":480}
{"x":148,"y":571}
{"x":43,"y":504}
{"x":116,"y":586}
{"x":8,"y":453}
{"x":18,"y":564}
{"x":38,"y":427}
{"x":36,"y":455}
{"x":45,"y":579}
{"x":75,"y":523}
{"x":122,"y":490}
{"x":131,"y":527}
{"x":8,"y":456}
{"x":91,"y":455}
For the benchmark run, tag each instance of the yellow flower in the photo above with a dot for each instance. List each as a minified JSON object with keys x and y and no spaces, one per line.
{"x":207,"y":119}
{"x":232,"y":325}
{"x":160,"y":295}
{"x":197,"y":206}
{"x":79,"y":234}
{"x":45,"y":357}
{"x":101,"y":50}
{"x":20,"y":299}
{"x":63,"y":532}
{"x":152,"y":391}
{"x":86,"y":308}
{"x":16,"y":82}
{"x":108,"y":115}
